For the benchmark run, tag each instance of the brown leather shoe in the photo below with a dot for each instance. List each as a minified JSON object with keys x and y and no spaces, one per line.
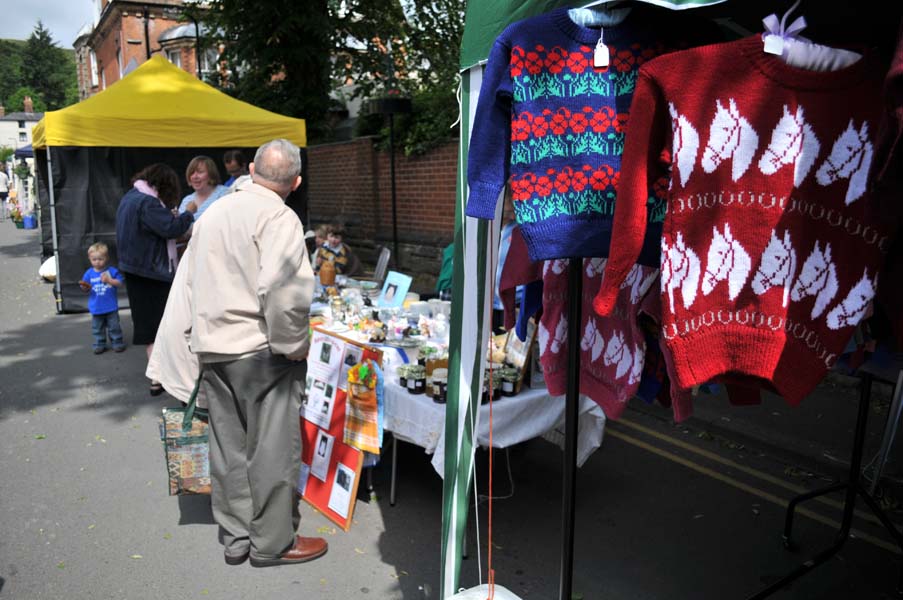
{"x":303,"y":550}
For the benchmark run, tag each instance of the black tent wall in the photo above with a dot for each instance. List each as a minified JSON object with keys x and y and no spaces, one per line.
{"x":88,"y":183}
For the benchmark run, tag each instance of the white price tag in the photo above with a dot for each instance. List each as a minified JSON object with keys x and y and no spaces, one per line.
{"x":601,"y":57}
{"x":774,"y":44}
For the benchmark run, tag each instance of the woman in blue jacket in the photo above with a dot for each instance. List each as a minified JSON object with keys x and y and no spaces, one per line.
{"x":146,"y":233}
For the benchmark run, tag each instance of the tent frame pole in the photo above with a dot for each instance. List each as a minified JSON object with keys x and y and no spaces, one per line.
{"x":571,"y":414}
{"x":53,"y":232}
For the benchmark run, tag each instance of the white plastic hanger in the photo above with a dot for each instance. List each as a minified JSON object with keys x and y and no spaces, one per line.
{"x":601,"y":14}
{"x":795,"y":50}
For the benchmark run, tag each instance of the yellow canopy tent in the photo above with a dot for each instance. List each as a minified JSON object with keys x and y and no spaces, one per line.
{"x":159,"y":105}
{"x":88,"y":152}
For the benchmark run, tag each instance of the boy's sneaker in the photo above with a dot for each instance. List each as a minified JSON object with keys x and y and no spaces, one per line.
{"x":119,"y":349}
{"x":99,"y":350}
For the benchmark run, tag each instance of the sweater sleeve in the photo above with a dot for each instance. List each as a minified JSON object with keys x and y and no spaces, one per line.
{"x":158,"y":219}
{"x":645,"y":138}
{"x":488,"y":157}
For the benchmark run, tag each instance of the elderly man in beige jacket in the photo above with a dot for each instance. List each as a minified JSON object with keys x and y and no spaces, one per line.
{"x":249,"y":285}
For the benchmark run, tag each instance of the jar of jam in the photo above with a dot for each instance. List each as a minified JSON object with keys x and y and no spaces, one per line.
{"x":416,"y":381}
{"x":508,"y":378}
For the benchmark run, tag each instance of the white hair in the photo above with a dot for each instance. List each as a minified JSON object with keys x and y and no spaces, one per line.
{"x":278,"y":161}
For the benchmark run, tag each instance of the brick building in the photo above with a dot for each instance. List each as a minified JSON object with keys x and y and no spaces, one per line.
{"x":125,"y":34}
{"x":350,"y":183}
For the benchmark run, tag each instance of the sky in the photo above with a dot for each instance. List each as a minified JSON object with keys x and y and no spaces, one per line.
{"x":63,"y":18}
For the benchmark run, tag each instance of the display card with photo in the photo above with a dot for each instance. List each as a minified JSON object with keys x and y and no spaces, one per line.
{"x":324,"y":367}
{"x":394,"y":290}
{"x":319,"y":464}
{"x":353,"y":356}
{"x":340,"y":496}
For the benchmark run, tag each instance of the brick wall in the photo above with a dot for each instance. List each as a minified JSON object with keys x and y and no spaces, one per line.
{"x":350,"y":182}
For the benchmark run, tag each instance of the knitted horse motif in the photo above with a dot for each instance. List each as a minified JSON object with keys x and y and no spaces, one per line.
{"x":792,"y":142}
{"x":730,"y":136}
{"x":680,"y":269}
{"x":818,"y":278}
{"x":727,"y":259}
{"x":595,"y":266}
{"x":592,"y":339}
{"x":850,"y":158}
{"x":684,"y":144}
{"x":557,"y":266}
{"x":633,"y":280}
{"x":639,"y":361}
{"x":852,"y":308}
{"x":556,"y":342}
{"x":778,"y":266}
{"x":617,"y":353}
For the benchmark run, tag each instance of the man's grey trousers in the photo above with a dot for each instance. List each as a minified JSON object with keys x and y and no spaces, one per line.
{"x":255,"y":451}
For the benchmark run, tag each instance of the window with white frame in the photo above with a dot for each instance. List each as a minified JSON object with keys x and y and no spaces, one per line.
{"x":175,"y":57}
{"x":23,"y":137}
{"x":93,"y":60}
{"x":209,"y":58}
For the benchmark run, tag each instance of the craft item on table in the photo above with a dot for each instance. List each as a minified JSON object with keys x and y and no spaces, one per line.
{"x":394,"y":290}
{"x":327,"y":274}
{"x":772,"y":239}
{"x":416,"y":379}
{"x":402,"y":373}
{"x":439,"y":384}
{"x":494,"y":382}
{"x":510,"y":380}
{"x":361,"y":408}
{"x":496,"y":352}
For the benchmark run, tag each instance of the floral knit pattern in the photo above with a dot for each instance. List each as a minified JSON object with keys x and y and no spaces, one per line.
{"x":557,"y":73}
{"x":562,"y":133}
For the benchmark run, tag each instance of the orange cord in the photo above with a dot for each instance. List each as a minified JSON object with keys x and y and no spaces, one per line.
{"x":491,"y":393}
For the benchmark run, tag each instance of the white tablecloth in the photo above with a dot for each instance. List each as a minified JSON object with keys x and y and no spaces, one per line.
{"x":415,"y":418}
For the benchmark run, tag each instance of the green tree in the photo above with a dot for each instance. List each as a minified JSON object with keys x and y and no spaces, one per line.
{"x":6,"y":153}
{"x":408,"y":47}
{"x":10,"y":68}
{"x":16,"y":101}
{"x":277,"y":56}
{"x":47,"y":68}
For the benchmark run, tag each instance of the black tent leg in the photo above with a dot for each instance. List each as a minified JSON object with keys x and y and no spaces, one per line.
{"x":571,"y":413}
{"x":852,"y":487}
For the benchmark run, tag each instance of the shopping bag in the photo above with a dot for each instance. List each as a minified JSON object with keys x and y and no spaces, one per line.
{"x":183,"y":431}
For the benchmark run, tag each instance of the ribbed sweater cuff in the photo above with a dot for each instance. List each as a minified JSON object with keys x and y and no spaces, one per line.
{"x":482,"y":201}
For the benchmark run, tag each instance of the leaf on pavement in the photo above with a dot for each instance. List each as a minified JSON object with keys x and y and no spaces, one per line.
{"x":136,"y":556}
{"x":61,"y":565}
{"x":40,"y":436}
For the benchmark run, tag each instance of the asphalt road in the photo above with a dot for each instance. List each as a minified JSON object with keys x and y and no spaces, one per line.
{"x":663,"y":511}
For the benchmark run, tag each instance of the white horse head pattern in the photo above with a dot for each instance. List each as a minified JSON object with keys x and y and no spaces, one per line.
{"x":850,"y":158}
{"x":852,"y":308}
{"x":726,"y":259}
{"x":684,"y":144}
{"x":592,"y":341}
{"x":730,"y":136}
{"x":680,"y":269}
{"x":818,"y":278}
{"x":778,"y":266}
{"x":792,"y":141}
{"x":639,"y":361}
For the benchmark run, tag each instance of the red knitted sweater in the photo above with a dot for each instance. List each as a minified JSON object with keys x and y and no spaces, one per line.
{"x":770,"y":246}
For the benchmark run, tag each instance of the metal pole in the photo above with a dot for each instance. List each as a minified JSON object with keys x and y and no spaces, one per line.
{"x":53,"y":231}
{"x":571,"y":413}
{"x":197,"y":47}
{"x":397,"y":256}
{"x":890,"y":432}
{"x":147,"y":48}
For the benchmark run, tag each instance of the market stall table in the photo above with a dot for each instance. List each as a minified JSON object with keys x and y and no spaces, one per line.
{"x":415,"y":418}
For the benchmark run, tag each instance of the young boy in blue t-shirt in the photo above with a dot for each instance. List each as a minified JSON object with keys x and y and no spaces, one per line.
{"x":101,"y":282}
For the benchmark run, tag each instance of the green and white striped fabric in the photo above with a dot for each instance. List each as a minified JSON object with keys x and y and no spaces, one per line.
{"x":470,"y":329}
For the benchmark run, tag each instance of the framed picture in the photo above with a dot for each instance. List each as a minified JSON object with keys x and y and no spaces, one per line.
{"x":517,"y":352}
{"x":394,"y":290}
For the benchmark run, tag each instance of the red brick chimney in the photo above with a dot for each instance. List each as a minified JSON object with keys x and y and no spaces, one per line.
{"x":27,"y":104}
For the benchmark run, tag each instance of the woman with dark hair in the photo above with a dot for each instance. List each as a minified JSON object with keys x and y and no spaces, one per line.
{"x":146,"y":232}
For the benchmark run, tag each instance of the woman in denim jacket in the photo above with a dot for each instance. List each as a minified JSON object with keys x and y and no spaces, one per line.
{"x":146,"y":233}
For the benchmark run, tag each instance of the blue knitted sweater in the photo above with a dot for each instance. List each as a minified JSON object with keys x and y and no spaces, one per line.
{"x":552,"y":125}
